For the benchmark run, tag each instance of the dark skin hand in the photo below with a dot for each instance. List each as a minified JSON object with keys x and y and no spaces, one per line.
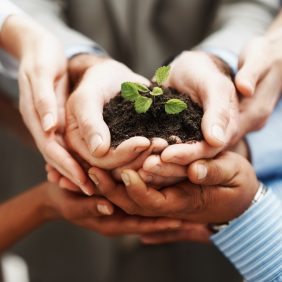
{"x":47,"y":202}
{"x":222,"y":195}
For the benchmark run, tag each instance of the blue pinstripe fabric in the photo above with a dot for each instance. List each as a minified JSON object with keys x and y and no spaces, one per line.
{"x":253,"y":241}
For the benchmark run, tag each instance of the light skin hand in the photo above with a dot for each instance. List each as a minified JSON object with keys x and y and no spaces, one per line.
{"x":205,"y":78}
{"x":259,"y":80}
{"x":43,"y":85}
{"x":228,"y":179}
{"x":161,"y":174}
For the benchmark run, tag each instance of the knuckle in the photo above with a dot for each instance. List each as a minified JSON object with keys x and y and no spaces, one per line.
{"x":42,"y":103}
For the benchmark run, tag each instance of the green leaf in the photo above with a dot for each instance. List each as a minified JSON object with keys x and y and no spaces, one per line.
{"x":157,"y":91}
{"x":142,"y":104}
{"x":175,"y":106}
{"x":141,"y":87}
{"x":129,"y":91}
{"x":162,"y":74}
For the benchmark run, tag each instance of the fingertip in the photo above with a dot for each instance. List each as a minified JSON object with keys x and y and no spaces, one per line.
{"x":99,"y":146}
{"x":244,"y":85}
{"x":105,"y":208}
{"x":49,"y":122}
{"x":197,"y":172}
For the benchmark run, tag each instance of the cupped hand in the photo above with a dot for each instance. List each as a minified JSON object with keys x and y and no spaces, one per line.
{"x":43,"y":85}
{"x":219,"y":190}
{"x":98,"y":214}
{"x":100,"y":80}
{"x":259,"y":80}
{"x":206,"y":79}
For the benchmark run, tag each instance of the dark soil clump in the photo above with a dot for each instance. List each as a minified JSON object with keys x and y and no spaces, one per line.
{"x":124,"y":122}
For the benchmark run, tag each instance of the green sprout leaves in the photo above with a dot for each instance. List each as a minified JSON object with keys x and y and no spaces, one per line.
{"x":130,"y":91}
{"x":162,"y":74}
{"x":175,"y":106}
{"x":142,"y":104}
{"x":157,"y":91}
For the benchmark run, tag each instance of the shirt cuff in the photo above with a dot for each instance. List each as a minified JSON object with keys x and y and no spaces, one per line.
{"x":6,"y":9}
{"x":227,"y":56}
{"x":253,"y":241}
{"x":85,"y":49}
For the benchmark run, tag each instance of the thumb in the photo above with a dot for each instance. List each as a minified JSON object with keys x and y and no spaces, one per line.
{"x":45,"y":103}
{"x":92,"y":127}
{"x":218,"y":171}
{"x":252,"y":68}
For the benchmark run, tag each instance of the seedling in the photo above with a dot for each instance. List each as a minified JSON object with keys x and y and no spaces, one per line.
{"x":131,"y":91}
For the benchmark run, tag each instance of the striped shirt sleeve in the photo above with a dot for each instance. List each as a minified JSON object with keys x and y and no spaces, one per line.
{"x":253,"y":242}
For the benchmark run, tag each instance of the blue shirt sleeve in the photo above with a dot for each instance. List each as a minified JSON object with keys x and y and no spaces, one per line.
{"x":253,"y":241}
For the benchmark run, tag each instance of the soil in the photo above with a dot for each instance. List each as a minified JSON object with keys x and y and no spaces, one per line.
{"x":124,"y":122}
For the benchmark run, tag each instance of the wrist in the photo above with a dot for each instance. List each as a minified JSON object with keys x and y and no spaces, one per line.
{"x":20,"y":34}
{"x":47,"y":207}
{"x":80,"y":63}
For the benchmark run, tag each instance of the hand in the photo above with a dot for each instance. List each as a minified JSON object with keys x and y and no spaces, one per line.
{"x":43,"y":90}
{"x":206,"y":79}
{"x":259,"y":80}
{"x":97,"y":214}
{"x":194,"y":232}
{"x":97,"y":80}
{"x":228,"y":179}
{"x":161,"y":174}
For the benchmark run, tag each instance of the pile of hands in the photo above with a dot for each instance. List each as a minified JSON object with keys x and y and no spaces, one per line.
{"x":161,"y":192}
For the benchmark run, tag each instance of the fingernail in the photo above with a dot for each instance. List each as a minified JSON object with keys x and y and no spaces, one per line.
{"x":125,"y":178}
{"x":95,"y":142}
{"x":218,"y":133}
{"x":103,"y":209}
{"x":175,"y":224}
{"x":48,"y":122}
{"x":87,"y":191}
{"x":201,"y":171}
{"x":94,"y":178}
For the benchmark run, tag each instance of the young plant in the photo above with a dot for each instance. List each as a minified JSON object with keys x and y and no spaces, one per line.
{"x":130,"y":91}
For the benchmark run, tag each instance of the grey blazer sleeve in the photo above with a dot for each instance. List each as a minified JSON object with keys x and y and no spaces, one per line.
{"x":51,"y":15}
{"x":237,"y":22}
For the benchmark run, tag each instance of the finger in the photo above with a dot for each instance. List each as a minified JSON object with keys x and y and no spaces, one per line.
{"x":112,"y":191}
{"x":53,"y":176}
{"x":124,"y":153}
{"x":154,"y":164}
{"x":67,"y":166}
{"x":253,"y":66}
{"x":183,"y":154}
{"x":256,"y":110}
{"x":89,"y":116}
{"x":44,"y":98}
{"x":159,"y":181}
{"x":67,"y":184}
{"x":218,"y":171}
{"x":157,"y":146}
{"x":194,"y":233}
{"x":152,"y":201}
{"x":217,"y":100}
{"x":117,"y":225}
